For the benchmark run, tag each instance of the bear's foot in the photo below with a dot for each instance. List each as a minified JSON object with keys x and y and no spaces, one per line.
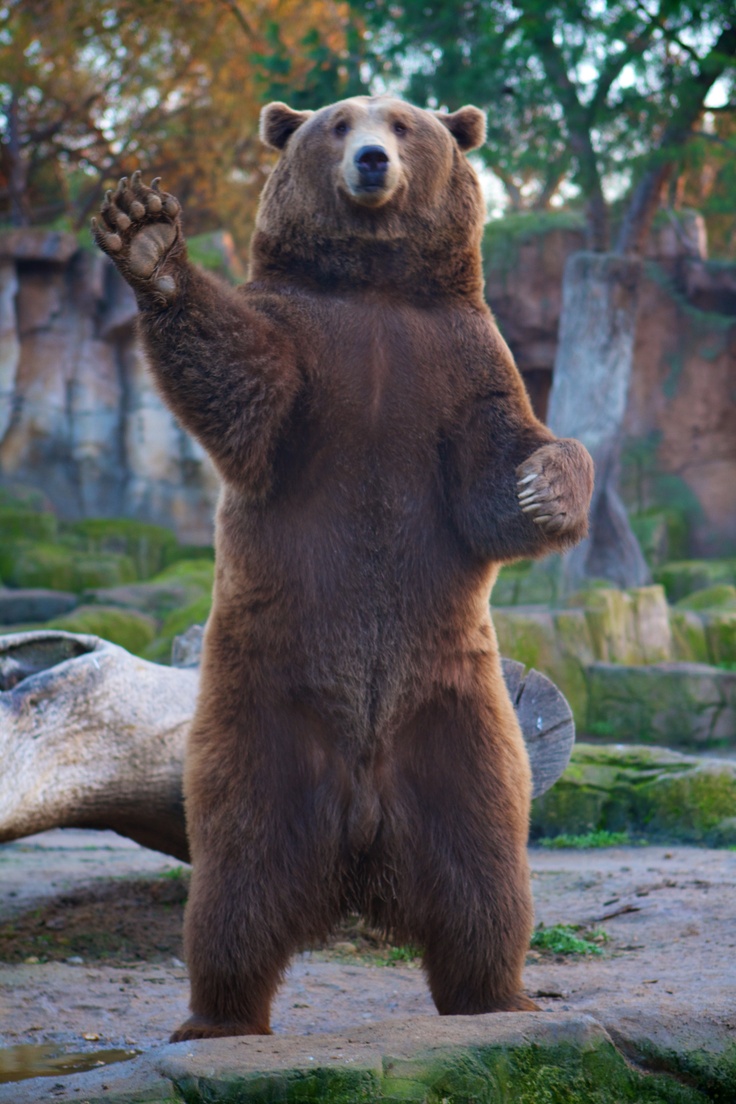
{"x":517,"y":1002}
{"x":554,"y":488}
{"x":140,"y":231}
{"x":514,"y":1002}
{"x":200,"y":1027}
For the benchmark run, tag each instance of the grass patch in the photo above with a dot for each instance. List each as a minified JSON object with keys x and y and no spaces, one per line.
{"x":399,"y":956}
{"x":601,"y":838}
{"x":568,"y":939}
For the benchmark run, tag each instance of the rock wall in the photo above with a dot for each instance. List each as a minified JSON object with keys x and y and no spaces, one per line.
{"x":680,"y":448}
{"x":80,"y":419}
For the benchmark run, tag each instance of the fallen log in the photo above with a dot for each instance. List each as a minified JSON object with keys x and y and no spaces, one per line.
{"x":93,"y":737}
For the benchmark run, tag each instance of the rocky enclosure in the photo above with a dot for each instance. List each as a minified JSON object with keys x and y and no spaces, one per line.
{"x":80,"y":418}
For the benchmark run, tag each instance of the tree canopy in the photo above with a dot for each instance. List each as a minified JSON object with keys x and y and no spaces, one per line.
{"x":89,"y":92}
{"x":596,"y":98}
{"x":608,"y":106}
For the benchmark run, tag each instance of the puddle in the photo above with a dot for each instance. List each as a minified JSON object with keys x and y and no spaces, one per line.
{"x":28,"y":1060}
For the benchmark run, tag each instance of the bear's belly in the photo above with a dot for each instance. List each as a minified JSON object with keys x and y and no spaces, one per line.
{"x":355,"y":611}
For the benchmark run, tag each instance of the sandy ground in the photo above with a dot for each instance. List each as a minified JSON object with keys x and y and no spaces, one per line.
{"x":107,"y":914}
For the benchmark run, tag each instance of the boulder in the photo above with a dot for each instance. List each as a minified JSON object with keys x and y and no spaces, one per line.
{"x":651,"y":792}
{"x":688,"y":637}
{"x":20,"y":606}
{"x":685,"y":704}
{"x":627,"y":626}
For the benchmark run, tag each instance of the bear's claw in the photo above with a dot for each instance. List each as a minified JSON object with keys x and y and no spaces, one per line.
{"x":138,"y":228}
{"x":548,"y":492}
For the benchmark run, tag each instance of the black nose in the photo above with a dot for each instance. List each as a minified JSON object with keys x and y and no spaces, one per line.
{"x":372,"y":162}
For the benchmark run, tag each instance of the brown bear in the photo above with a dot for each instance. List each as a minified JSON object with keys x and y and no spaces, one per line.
{"x":354,"y":747}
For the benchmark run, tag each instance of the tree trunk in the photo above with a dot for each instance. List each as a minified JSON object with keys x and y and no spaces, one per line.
{"x":18,"y":172}
{"x":93,"y":737}
{"x":588,"y":400}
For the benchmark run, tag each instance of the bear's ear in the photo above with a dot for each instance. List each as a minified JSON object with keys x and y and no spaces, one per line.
{"x":467,"y":126}
{"x":278,"y":123}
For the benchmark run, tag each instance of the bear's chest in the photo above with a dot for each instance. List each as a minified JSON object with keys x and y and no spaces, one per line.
{"x":384,"y":374}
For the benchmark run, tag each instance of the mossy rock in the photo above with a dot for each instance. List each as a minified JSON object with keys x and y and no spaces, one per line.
{"x":195,"y":572}
{"x":159,"y":650}
{"x":688,"y":637}
{"x":560,"y":1062}
{"x":627,"y":626}
{"x":157,"y":599}
{"x":686,"y":576}
{"x":720,"y":597}
{"x":720,"y":635}
{"x":149,"y":547}
{"x":131,"y":630}
{"x":20,"y":523}
{"x":691,"y":705}
{"x":652,"y":792}
{"x":59,"y":566}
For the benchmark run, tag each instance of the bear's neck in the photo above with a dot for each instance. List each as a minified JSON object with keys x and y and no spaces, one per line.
{"x":398,"y":268}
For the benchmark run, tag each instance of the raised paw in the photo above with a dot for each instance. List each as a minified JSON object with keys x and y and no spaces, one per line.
{"x":554,"y":488}
{"x":140,"y":229}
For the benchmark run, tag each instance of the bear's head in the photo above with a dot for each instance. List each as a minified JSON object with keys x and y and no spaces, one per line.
{"x":373,"y":192}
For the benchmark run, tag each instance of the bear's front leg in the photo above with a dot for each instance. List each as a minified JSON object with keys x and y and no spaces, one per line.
{"x":141,"y":232}
{"x":554,"y":489}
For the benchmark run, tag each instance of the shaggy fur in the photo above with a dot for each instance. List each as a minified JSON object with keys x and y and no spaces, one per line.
{"x":354,"y":747}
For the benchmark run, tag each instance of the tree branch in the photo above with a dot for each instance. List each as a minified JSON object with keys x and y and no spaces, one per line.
{"x":644,"y":200}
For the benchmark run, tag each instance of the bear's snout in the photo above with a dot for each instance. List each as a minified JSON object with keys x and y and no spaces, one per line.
{"x":372,"y":165}
{"x":370,"y":169}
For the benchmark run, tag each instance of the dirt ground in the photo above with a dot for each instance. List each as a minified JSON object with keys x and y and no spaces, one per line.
{"x":91,"y":956}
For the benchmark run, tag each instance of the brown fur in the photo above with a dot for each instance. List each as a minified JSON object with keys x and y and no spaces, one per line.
{"x":354,"y":747}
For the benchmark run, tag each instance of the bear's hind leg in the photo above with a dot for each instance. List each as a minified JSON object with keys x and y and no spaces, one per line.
{"x":263,"y":824}
{"x":462,"y":805}
{"x":236,"y":955}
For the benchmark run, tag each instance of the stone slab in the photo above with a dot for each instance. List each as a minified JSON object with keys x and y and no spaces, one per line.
{"x":457,"y":1059}
{"x":681,"y":704}
{"x":662,"y":991}
{"x":22,"y":605}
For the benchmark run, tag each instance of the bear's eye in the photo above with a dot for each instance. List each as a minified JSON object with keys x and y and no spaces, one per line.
{"x":400,"y":128}
{"x":341,"y":128}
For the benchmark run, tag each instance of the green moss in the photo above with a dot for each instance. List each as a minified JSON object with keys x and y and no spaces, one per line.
{"x":200,"y":572}
{"x":587,"y":1073}
{"x":20,"y":523}
{"x":688,"y":637}
{"x":642,"y":791}
{"x":62,"y":567}
{"x":690,"y":806}
{"x":714,"y":1073}
{"x":149,"y":547}
{"x":563,"y":939}
{"x":601,"y":838}
{"x":132,"y":631}
{"x":684,"y":577}
{"x":720,"y":634}
{"x":721,"y":596}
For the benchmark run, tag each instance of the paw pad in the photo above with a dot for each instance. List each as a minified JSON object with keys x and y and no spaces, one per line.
{"x":138,"y":226}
